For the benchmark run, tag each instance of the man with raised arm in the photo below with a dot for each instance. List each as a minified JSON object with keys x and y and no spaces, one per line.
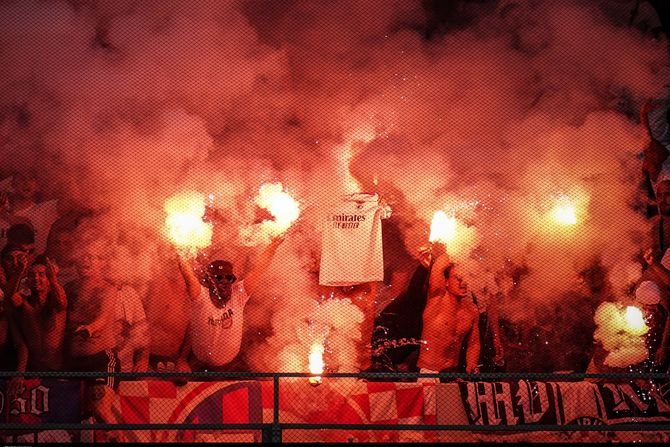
{"x":167,"y":302}
{"x":39,"y":309}
{"x":450,"y":320}
{"x":216,"y":323}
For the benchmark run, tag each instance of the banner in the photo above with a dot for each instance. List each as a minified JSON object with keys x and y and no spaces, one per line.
{"x":42,"y":401}
{"x":334,"y":401}
{"x":563,"y":403}
{"x":342,"y":401}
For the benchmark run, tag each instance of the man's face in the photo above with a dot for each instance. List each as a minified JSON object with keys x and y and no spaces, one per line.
{"x":221,"y":290}
{"x":37,"y":278}
{"x":663,"y":198}
{"x":60,"y":247}
{"x":456,"y":284}
{"x":89,"y":260}
{"x":29,"y":250}
{"x":14,"y":261}
{"x":221,"y":279}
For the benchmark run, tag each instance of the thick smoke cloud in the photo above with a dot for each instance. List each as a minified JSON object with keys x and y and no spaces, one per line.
{"x":121,"y":105}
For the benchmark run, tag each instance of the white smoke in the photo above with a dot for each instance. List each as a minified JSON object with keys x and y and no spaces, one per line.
{"x":624,"y":342}
{"x":120,"y":105}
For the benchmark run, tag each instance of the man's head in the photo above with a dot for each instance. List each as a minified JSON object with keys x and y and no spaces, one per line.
{"x":59,"y":246}
{"x":90,"y":258}
{"x":63,"y":234}
{"x":663,"y":197}
{"x":455,"y":282}
{"x":37,"y":275}
{"x":22,"y":235}
{"x":14,"y":259}
{"x":219,"y":279}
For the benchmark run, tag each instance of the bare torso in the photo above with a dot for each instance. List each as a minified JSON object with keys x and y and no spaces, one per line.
{"x":92,"y":305}
{"x":166,"y":304}
{"x":446,"y":323}
{"x":43,"y":328}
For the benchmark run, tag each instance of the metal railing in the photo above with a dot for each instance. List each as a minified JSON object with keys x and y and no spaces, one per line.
{"x":272,"y":431}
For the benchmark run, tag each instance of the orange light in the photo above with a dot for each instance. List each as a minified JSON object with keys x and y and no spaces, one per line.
{"x":184,"y":223}
{"x":316,"y":363}
{"x":442,"y":228}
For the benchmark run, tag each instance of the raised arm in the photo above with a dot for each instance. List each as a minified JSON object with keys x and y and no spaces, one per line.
{"x":436,"y":282}
{"x":472,"y":354}
{"x":252,"y":280}
{"x":14,"y":281}
{"x":60,"y":300}
{"x":494,"y":323}
{"x":191,"y":280}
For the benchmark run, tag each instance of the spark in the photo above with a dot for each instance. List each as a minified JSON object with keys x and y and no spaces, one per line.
{"x":316,"y":364}
{"x":442,"y":228}
{"x":635,"y":320}
{"x":184,"y":223}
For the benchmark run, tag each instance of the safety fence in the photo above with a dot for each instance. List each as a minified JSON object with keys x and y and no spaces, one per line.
{"x":338,"y":407}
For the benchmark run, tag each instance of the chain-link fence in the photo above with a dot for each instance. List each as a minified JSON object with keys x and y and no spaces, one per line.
{"x":365,"y":407}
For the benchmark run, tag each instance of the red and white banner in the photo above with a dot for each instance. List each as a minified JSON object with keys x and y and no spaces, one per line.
{"x":346,"y":401}
{"x":334,"y":401}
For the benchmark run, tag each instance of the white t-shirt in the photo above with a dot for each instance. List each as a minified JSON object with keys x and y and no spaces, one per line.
{"x":351,"y":252}
{"x":216,"y":333}
{"x":134,"y":327}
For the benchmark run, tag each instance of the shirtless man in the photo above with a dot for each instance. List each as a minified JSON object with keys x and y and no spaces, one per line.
{"x":167,"y":304}
{"x":91,"y":331}
{"x":39,"y":309}
{"x":449,"y":319}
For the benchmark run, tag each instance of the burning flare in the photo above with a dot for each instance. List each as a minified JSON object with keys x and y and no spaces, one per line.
{"x":184,"y":223}
{"x":284,"y":208}
{"x":316,"y":364}
{"x":564,"y":212}
{"x":621,"y":332}
{"x":442,"y":228}
{"x":635,"y":324}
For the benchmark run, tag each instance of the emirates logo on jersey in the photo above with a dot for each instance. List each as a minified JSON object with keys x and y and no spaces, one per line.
{"x":345,"y":221}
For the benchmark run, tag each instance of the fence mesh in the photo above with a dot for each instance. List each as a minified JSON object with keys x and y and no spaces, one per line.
{"x":339,"y":407}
